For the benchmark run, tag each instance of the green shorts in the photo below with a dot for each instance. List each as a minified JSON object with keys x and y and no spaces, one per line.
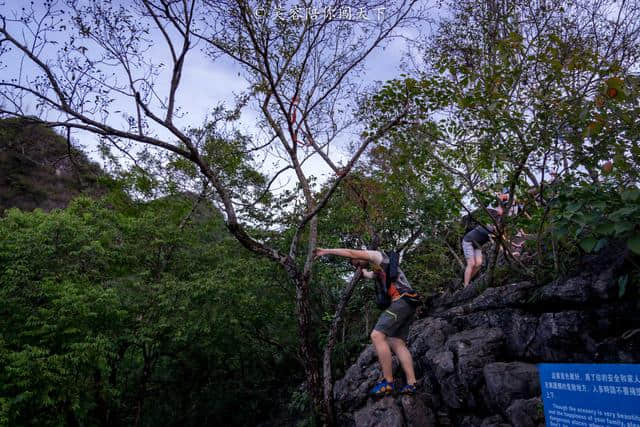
{"x":395,"y":320}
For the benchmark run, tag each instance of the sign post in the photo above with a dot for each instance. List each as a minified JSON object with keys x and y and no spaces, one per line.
{"x":594,"y":395}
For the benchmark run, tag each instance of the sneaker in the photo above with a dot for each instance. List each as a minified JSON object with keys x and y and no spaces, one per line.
{"x":383,"y":388}
{"x":409,"y":389}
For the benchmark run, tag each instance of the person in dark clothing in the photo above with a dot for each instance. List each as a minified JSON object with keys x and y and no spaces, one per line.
{"x":472,"y":244}
{"x":390,"y":332}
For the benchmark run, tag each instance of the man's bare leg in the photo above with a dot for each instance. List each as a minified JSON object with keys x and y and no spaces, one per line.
{"x":381,"y":345}
{"x":404,"y":355}
{"x":474,"y":265}
{"x":479,"y":260}
{"x":469,"y":271}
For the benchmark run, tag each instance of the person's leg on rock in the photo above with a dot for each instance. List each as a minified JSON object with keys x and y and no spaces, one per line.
{"x":478,"y":262}
{"x":398,"y":343}
{"x":390,"y":333}
{"x":379,"y":340}
{"x":404,"y":356}
{"x":469,"y":271}
{"x":380,"y":343}
{"x":469,"y":255}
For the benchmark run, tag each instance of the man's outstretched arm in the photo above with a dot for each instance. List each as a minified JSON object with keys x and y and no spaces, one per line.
{"x":372,"y":256}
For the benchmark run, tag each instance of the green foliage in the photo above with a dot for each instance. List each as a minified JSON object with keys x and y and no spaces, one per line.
{"x":110,"y":308}
{"x":594,"y":215}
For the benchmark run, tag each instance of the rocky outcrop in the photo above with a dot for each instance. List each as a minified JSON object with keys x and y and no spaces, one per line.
{"x":475,"y":353}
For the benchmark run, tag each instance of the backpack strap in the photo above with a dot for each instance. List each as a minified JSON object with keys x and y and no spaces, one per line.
{"x":392,"y":267}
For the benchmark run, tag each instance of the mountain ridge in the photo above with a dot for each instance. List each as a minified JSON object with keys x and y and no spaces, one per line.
{"x":41,"y":169}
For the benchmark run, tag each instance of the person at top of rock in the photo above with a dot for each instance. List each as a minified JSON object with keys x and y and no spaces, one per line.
{"x":473,"y":241}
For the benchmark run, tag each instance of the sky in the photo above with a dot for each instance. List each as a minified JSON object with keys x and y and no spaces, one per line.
{"x":205,"y":83}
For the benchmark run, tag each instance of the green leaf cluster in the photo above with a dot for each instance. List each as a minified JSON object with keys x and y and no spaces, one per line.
{"x":114,"y":310}
{"x":595,"y":215}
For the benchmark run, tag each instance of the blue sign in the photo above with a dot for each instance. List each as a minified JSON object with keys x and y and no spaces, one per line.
{"x":590,"y":395}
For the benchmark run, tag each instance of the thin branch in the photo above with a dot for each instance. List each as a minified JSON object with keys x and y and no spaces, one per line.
{"x":379,"y":133}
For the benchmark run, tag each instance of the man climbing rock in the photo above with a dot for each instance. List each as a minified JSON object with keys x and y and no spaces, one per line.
{"x":472,"y":243}
{"x":391,"y":330}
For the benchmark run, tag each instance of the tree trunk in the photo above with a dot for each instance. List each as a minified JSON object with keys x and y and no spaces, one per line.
{"x":328,"y":413}
{"x":70,"y":416}
{"x":308,"y":352}
{"x":101,"y":410}
{"x":142,"y":389}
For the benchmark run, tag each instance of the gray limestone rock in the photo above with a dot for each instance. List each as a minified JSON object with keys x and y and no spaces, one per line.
{"x":507,"y":382}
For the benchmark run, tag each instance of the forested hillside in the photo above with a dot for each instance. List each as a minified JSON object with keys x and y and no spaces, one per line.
{"x":41,"y":169}
{"x":117,"y":312}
